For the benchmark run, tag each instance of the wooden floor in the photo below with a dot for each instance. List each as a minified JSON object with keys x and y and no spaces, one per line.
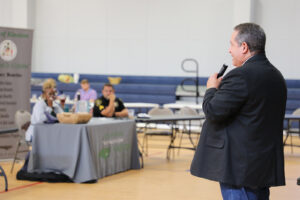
{"x":160,"y":179}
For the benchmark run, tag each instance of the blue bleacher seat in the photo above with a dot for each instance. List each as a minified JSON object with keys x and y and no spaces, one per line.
{"x":149,"y":89}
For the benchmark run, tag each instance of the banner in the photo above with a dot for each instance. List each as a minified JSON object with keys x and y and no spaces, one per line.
{"x":15,"y":73}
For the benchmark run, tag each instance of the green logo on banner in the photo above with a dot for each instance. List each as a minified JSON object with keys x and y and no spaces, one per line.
{"x":8,"y":50}
{"x":104,"y":153}
{"x":3,"y":34}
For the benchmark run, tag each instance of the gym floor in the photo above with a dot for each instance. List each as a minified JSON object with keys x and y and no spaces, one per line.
{"x":159,"y":179}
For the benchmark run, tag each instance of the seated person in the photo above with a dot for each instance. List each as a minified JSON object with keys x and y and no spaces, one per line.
{"x":86,"y":93}
{"x":49,"y":82}
{"x":108,"y":105}
{"x":43,"y":108}
{"x":52,"y":82}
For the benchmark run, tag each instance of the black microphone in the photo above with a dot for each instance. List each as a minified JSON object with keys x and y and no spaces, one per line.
{"x":222,"y":70}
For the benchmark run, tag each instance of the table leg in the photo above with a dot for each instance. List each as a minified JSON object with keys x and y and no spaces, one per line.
{"x":190,"y":133}
{"x":287,"y":132}
{"x":173,"y":136}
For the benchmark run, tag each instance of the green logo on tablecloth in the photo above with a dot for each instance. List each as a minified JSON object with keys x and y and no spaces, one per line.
{"x":104,"y":153}
{"x":114,"y":143}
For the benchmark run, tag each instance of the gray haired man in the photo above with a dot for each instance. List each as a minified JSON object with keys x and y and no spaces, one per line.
{"x":241,"y":143}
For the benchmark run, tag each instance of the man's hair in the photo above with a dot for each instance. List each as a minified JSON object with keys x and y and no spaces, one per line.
{"x":253,"y":35}
{"x":84,"y":81}
{"x":108,"y":85}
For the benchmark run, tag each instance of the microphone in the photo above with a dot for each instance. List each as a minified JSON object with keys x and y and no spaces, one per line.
{"x":222,"y":70}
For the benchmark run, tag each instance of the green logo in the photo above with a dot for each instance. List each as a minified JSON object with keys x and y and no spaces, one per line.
{"x":3,"y":34}
{"x":104,"y":153}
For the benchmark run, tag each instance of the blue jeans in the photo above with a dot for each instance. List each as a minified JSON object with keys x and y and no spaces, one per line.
{"x":230,"y":192}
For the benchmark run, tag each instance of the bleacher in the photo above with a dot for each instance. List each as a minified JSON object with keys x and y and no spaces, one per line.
{"x":293,"y":95}
{"x":148,"y":89}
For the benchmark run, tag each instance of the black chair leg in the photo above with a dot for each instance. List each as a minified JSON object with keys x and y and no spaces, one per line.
{"x":15,"y":158}
{"x":2,"y":173}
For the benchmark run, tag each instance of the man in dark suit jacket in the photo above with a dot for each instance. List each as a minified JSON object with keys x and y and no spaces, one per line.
{"x":241,"y":141}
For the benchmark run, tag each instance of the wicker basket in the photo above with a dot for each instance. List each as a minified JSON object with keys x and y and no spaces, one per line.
{"x":114,"y":80}
{"x":73,"y":118}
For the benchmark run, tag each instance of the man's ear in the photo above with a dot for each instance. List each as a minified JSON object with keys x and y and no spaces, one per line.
{"x":245,"y":48}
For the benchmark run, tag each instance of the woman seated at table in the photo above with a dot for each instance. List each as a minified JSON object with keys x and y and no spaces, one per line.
{"x":45,"y":109}
{"x":50,"y":82}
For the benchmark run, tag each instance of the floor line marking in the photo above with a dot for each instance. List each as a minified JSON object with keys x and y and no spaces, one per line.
{"x":21,"y":187}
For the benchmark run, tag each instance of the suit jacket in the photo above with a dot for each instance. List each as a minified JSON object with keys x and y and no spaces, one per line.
{"x":241,"y":139}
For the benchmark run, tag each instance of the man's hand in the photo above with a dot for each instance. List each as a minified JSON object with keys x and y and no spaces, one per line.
{"x":213,"y":81}
{"x":50,"y":102}
{"x":112,"y":97}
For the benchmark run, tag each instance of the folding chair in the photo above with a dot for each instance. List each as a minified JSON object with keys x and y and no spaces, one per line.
{"x":189,"y":127}
{"x":22,"y":120}
{"x":156,"y":130}
{"x":291,"y":129}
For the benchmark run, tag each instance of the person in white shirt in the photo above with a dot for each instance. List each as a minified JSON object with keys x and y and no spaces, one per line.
{"x":46,"y":106}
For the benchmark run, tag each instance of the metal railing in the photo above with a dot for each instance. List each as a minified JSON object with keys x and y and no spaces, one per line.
{"x":194,"y":80}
